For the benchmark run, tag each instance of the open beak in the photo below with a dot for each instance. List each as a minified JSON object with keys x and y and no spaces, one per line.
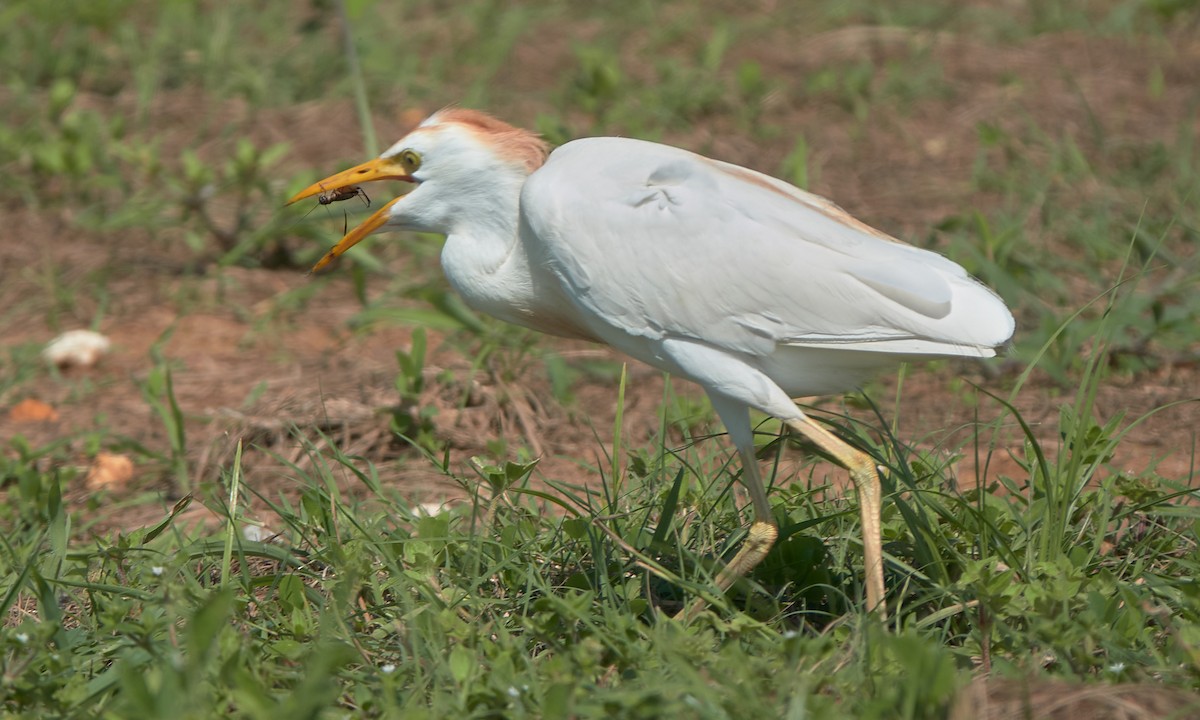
{"x":370,"y":171}
{"x":377,"y":220}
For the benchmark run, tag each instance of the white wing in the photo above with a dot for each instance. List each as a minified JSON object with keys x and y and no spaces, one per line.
{"x":658,"y":242}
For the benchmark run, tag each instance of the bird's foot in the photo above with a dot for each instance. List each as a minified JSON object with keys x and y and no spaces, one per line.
{"x":754,"y":548}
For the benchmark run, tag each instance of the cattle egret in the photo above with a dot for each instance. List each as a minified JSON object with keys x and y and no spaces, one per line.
{"x":754,"y":289}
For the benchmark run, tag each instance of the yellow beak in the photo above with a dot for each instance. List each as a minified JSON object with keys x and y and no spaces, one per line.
{"x":370,"y":171}
{"x":377,"y":220}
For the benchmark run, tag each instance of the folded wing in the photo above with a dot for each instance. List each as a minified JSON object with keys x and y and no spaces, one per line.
{"x":659,"y":242}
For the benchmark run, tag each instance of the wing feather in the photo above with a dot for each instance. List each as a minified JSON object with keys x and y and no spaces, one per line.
{"x":656,"y":242}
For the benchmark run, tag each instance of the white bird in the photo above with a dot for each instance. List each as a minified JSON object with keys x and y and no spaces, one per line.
{"x":754,"y":289}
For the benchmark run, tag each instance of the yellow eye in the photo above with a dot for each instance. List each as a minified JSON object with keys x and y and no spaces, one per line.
{"x":411,"y":160}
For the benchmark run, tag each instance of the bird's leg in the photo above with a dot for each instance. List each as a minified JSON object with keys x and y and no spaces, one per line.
{"x":763,"y":530}
{"x":762,"y":535}
{"x":870,"y":497}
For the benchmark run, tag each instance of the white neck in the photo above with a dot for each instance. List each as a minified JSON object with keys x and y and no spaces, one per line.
{"x":483,"y":259}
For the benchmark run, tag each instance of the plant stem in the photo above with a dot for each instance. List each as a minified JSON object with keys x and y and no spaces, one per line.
{"x":361,"y":104}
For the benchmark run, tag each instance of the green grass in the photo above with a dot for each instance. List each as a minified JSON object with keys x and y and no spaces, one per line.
{"x":361,"y":605}
{"x":538,"y":597}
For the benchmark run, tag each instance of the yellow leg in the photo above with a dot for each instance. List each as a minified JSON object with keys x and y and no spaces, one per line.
{"x":870,"y":498}
{"x":754,"y":548}
{"x":763,"y":532}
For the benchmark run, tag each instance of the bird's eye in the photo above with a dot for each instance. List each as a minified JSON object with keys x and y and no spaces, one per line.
{"x":411,"y":160}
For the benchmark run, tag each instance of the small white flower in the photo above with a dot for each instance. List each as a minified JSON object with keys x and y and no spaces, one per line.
{"x":156,"y":570}
{"x":431,"y":509}
{"x":513,"y":692}
{"x":1116,"y":668}
{"x":22,"y":638}
{"x":789,"y":634}
{"x":387,"y":669}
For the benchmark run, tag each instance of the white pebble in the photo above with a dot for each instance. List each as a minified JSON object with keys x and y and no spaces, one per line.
{"x":76,"y":347}
{"x":254,"y":533}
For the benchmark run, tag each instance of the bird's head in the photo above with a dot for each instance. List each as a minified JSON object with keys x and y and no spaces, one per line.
{"x":468,"y":168}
